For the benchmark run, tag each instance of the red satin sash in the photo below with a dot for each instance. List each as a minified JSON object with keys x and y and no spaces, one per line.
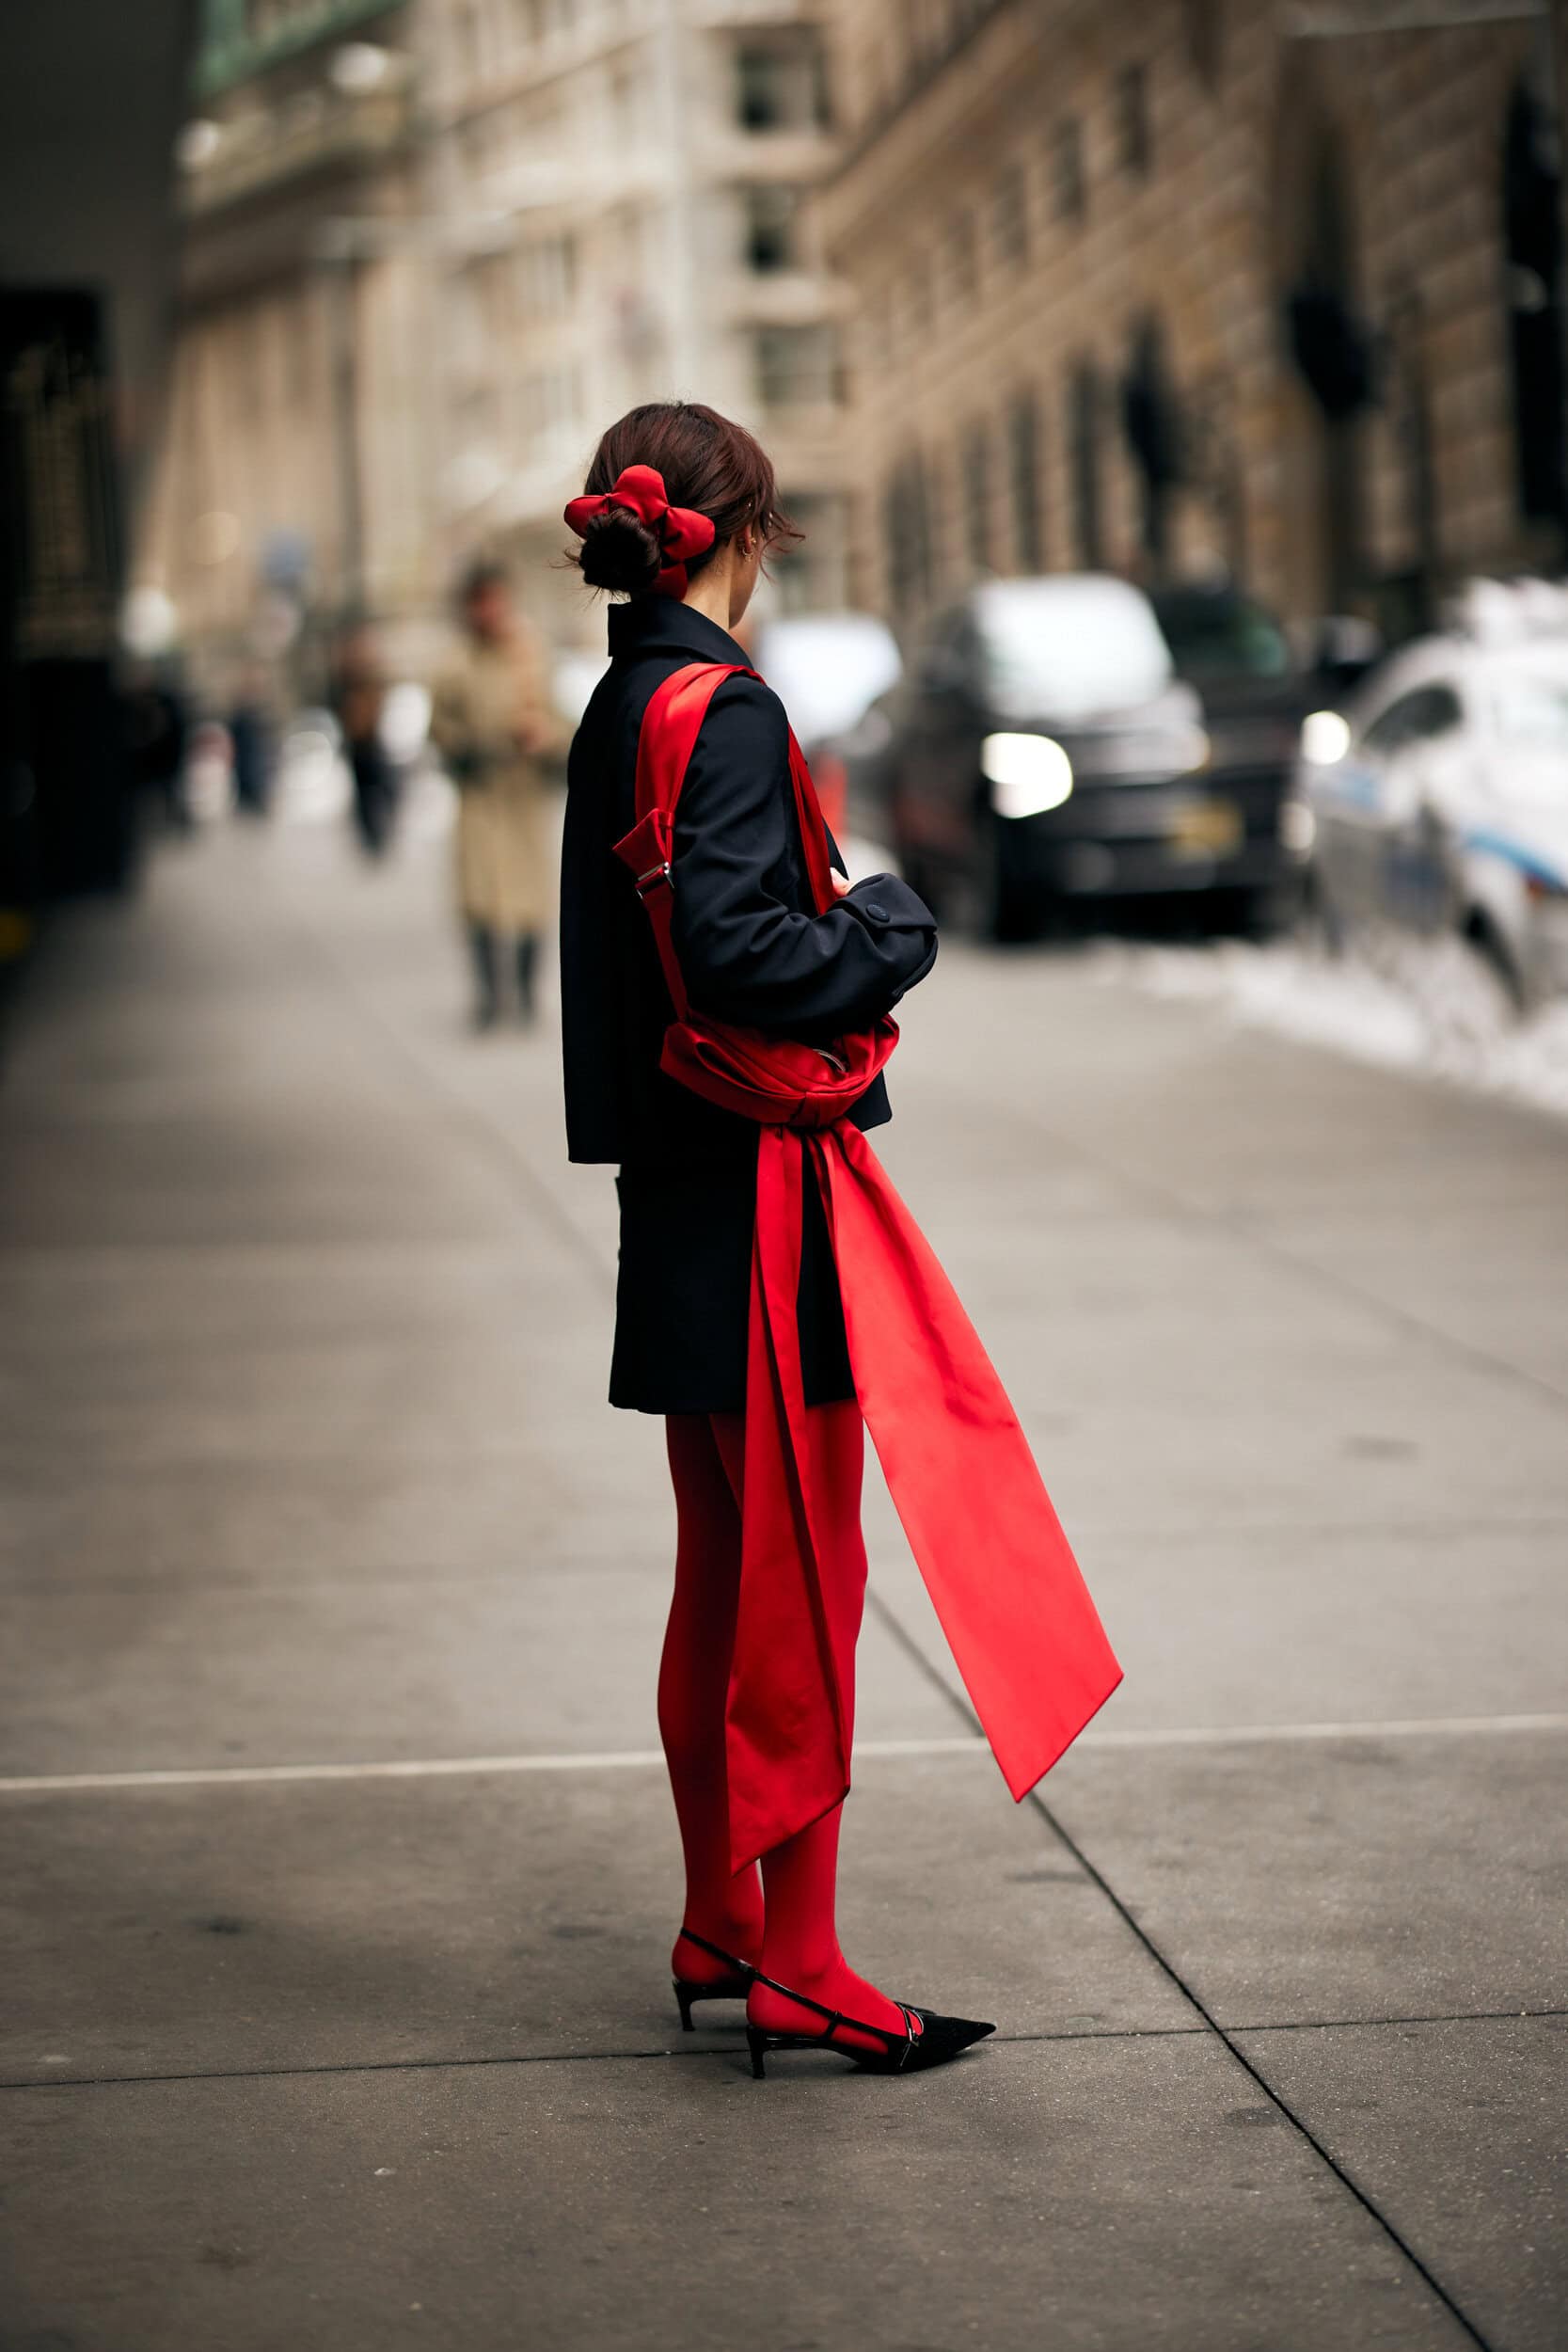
{"x":1013,"y":1604}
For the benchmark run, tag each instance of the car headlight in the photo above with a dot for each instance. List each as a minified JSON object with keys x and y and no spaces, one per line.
{"x":1193,"y":748}
{"x":1298,"y":827}
{"x":1027,"y":774}
{"x":1324,"y":738}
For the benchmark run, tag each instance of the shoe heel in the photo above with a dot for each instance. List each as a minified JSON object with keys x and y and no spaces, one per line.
{"x":756,"y":2042}
{"x":683,"y":1999}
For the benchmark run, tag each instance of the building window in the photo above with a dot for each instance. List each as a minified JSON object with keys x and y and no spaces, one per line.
{"x":782,"y":83}
{"x":1532,"y":247}
{"x":626,"y":86}
{"x":1134,"y":145}
{"x":977,"y":497}
{"x":962,"y":257}
{"x":1010,"y":216}
{"x":1205,"y":38}
{"x":773,"y":228}
{"x":926,"y":32}
{"x":1067,"y":169}
{"x":249,"y":353}
{"x":798,"y":367}
{"x":907,"y":536}
{"x":811,"y":575}
{"x":296,"y":321}
{"x":470,"y":35}
{"x":1155,"y":432}
{"x":1024,"y":470}
{"x":546,"y":277}
{"x":1084,"y":410}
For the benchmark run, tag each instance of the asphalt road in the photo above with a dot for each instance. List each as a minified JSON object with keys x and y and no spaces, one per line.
{"x":338,"y":1866}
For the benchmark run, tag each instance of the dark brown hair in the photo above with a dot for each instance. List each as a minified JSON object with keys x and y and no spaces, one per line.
{"x":707,"y":462}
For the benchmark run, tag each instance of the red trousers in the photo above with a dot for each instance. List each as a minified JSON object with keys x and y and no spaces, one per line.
{"x":707,"y":1463}
{"x":1018,"y":1616}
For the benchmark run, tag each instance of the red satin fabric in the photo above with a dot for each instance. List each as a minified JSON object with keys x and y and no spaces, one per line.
{"x":745,"y":1071}
{"x":1023,"y":1629}
{"x":681,"y":531}
{"x":707,"y":1463}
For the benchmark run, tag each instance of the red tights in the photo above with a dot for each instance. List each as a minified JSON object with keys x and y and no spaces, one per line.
{"x":784,"y":1922}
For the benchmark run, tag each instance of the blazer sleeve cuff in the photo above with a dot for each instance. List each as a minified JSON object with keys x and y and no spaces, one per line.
{"x":884,"y":903}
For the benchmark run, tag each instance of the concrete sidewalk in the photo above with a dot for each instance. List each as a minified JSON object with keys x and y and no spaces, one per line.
{"x":338,"y":1865}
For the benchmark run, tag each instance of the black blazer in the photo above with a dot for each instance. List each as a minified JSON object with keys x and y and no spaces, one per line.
{"x":751,"y":951}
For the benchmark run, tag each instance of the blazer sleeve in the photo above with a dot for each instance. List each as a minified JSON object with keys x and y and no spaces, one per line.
{"x":746,"y":955}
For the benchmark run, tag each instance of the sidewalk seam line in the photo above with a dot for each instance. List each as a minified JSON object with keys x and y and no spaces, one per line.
{"x":523,"y":2057}
{"x":1201,"y":2030}
{"x":1168,"y":1968}
{"x":1100,"y":1740}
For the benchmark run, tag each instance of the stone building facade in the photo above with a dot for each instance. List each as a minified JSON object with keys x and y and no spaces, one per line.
{"x":431,"y":247}
{"x":293,"y":473}
{"x":1180,"y":287}
{"x":651,"y":161}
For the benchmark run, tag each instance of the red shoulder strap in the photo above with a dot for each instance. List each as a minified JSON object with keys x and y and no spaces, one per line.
{"x":671,"y":726}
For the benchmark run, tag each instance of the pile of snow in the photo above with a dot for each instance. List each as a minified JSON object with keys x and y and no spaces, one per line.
{"x":1429,"y":1007}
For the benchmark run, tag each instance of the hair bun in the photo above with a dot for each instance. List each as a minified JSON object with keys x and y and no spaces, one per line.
{"x":619,"y":553}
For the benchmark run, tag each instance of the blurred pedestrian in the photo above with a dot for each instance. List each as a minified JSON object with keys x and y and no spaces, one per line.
{"x":157,"y":730}
{"x":359,"y":698}
{"x":495,"y":725}
{"x":253,"y":744}
{"x":726,"y":997}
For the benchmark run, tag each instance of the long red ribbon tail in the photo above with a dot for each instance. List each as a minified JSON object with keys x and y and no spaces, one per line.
{"x":1023,"y":1631}
{"x":786,"y":1744}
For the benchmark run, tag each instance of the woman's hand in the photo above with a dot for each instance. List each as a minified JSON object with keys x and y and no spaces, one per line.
{"x":840,"y":882}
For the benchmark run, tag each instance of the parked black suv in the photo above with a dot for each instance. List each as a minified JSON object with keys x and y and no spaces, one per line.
{"x":1046,"y":750}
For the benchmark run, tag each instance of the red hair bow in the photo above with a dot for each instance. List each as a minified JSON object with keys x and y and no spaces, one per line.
{"x":680,"y":531}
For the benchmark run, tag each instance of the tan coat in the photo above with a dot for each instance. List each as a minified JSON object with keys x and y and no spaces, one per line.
{"x":488,"y":697}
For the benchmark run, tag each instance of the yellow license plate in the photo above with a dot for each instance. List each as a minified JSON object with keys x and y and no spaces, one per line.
{"x":1206,"y":829}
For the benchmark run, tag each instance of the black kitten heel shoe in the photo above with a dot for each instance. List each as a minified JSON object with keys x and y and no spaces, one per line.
{"x":926,"y":2040}
{"x":731,"y":1987}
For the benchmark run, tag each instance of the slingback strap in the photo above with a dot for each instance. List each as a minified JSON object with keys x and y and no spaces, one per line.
{"x":742,"y":1967}
{"x":836,"y":2017}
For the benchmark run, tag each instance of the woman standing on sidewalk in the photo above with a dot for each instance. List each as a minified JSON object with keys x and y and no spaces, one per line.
{"x":495,"y":725}
{"x":726,"y":997}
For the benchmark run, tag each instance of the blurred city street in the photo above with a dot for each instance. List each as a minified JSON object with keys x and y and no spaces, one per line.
{"x":338,"y":1851}
{"x":1131,"y":444}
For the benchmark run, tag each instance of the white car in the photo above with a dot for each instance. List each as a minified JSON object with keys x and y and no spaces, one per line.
{"x":1440,"y":803}
{"x":828,"y":669}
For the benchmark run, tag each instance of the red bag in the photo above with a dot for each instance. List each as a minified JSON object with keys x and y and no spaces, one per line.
{"x":774,"y":1080}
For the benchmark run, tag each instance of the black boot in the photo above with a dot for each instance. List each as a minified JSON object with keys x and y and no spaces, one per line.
{"x":482,"y":948}
{"x":527,"y":956}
